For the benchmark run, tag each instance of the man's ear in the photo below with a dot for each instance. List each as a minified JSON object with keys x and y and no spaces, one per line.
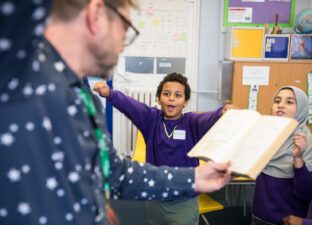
{"x":95,"y":9}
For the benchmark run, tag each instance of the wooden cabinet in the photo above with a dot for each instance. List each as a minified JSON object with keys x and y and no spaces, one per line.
{"x":281,"y":73}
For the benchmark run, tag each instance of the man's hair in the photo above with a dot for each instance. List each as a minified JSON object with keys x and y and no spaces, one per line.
{"x":175,"y":77}
{"x":68,"y":9}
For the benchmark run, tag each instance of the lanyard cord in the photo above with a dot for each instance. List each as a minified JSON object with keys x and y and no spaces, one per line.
{"x":166,"y":132}
{"x":102,"y":145}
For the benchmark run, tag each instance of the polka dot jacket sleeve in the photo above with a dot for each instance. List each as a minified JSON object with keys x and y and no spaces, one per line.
{"x":132,"y":180}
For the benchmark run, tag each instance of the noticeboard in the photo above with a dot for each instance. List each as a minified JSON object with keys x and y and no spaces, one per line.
{"x":259,"y":12}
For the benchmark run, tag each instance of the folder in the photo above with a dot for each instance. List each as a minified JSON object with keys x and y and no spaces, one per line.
{"x":247,"y":43}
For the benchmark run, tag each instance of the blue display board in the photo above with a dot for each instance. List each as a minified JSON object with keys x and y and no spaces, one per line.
{"x":276,"y":47}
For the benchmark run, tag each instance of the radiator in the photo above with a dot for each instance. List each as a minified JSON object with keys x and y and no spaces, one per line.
{"x":124,"y":132}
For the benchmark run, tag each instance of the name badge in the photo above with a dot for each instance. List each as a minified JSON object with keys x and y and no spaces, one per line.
{"x":179,"y":134}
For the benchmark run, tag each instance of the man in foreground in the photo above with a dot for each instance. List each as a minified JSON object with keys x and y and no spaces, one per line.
{"x":55,"y":159}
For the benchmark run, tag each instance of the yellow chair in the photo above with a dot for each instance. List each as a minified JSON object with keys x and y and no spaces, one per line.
{"x":205,"y":203}
{"x":139,"y":152}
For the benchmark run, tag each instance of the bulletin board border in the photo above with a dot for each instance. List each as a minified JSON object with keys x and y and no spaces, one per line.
{"x":227,"y":24}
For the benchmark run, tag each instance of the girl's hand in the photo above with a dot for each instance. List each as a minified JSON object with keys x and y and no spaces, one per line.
{"x":299,"y":145}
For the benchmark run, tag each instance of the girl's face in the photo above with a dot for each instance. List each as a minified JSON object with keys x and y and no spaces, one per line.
{"x":285,"y":104}
{"x":172,"y":100}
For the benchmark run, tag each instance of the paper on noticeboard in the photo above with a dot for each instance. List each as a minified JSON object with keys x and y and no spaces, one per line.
{"x":240,"y":15}
{"x":256,"y":75}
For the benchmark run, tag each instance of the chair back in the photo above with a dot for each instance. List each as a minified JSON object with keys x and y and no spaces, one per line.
{"x":140,"y":149}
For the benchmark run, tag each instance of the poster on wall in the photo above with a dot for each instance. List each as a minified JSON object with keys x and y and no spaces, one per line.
{"x":240,"y":14}
{"x":276,"y":47}
{"x":164,"y":29}
{"x":301,"y":47}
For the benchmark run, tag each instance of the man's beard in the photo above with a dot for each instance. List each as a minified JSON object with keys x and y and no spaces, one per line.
{"x":108,"y":74}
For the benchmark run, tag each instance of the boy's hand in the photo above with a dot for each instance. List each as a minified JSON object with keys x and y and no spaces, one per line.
{"x":102,"y":88}
{"x":228,"y":107}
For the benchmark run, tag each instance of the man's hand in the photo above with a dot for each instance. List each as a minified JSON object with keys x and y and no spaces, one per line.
{"x":292,"y":220}
{"x":211,"y":176}
{"x":102,"y":88}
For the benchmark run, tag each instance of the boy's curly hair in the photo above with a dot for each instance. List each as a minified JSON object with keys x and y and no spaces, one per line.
{"x":175,"y":77}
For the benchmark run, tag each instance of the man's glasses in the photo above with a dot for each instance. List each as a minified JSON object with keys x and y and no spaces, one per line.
{"x":132,"y":32}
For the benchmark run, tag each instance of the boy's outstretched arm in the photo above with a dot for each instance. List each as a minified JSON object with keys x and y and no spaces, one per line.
{"x":139,"y":113}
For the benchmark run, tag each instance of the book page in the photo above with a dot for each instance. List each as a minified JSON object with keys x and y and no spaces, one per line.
{"x":259,"y":142}
{"x":218,"y":143}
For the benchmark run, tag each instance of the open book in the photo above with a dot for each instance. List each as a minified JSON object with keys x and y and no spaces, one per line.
{"x":245,"y":138}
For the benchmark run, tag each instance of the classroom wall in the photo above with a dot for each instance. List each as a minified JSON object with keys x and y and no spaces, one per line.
{"x":214,"y":46}
{"x":209,"y":53}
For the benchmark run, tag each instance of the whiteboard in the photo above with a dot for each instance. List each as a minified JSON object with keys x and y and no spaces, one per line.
{"x":169,"y":33}
{"x":163,"y":25}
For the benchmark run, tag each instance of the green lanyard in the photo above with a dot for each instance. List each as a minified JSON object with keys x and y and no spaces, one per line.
{"x":102,"y":145}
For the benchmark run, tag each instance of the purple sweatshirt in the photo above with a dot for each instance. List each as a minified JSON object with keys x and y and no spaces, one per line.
{"x":303,"y":187}
{"x":276,"y":198}
{"x":308,"y":220}
{"x":161,"y":150}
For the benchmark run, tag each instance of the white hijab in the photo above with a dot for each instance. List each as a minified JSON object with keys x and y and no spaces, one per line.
{"x":281,"y":165}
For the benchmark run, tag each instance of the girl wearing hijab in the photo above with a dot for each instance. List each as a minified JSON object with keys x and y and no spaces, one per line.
{"x":275,"y":195}
{"x":302,"y":183}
